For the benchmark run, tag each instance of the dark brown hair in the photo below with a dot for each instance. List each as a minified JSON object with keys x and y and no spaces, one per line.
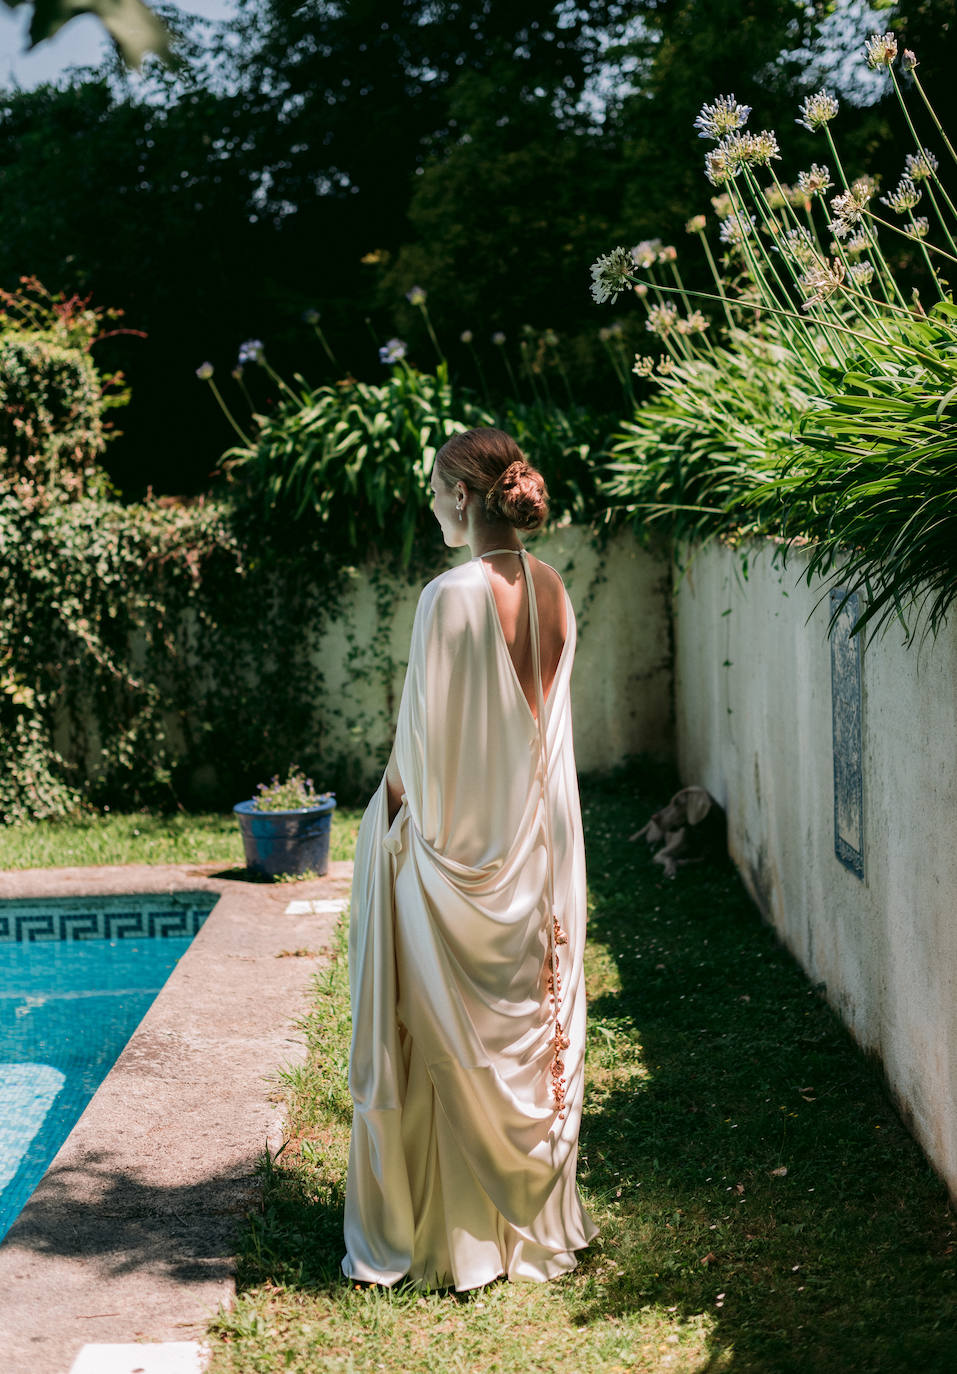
{"x":491,"y":464}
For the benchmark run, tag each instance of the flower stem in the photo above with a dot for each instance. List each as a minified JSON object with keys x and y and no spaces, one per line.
{"x":228,"y":413}
{"x":931,"y":112}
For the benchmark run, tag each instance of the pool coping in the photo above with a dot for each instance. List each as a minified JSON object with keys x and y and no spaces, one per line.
{"x":130,"y":1234}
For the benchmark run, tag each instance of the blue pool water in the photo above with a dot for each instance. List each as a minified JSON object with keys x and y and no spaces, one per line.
{"x":76,"y":978}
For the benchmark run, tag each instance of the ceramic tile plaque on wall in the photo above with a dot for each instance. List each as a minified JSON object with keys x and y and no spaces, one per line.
{"x":847,"y":732}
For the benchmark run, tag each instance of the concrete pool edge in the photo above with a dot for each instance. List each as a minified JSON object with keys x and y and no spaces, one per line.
{"x":130,"y":1234}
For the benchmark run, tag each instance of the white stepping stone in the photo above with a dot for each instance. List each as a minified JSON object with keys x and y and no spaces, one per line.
{"x":317,"y":907}
{"x":171,"y":1357}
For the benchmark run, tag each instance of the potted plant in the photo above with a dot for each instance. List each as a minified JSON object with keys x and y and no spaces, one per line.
{"x":285,"y":826}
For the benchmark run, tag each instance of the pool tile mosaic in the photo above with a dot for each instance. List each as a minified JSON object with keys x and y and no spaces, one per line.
{"x":104,"y":918}
{"x":67,"y":1008}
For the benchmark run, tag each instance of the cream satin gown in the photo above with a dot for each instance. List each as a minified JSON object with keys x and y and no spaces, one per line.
{"x":463,"y":1156}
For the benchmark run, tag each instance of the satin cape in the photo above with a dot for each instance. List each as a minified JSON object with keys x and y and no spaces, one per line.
{"x":461,"y":1168}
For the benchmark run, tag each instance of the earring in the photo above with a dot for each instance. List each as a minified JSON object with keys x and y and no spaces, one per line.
{"x":461,"y":516}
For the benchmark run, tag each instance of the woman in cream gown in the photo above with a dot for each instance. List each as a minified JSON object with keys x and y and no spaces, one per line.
{"x":468,"y":907}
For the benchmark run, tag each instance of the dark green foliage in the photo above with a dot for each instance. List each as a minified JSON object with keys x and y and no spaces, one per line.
{"x":52,"y":398}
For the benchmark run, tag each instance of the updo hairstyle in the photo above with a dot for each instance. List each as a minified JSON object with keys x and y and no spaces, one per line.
{"x":491,"y":464}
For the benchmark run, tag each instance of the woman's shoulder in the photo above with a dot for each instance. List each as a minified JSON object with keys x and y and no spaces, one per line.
{"x":452,"y":591}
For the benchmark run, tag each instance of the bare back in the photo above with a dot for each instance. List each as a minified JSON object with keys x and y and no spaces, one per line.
{"x":507,"y":582}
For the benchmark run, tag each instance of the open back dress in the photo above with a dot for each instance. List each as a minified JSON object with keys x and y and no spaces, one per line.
{"x":468,"y":912}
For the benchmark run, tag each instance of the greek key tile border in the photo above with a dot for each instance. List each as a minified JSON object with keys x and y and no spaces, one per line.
{"x":132,"y":918}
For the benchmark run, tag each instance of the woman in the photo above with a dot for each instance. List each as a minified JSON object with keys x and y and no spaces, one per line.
{"x":468,"y":911}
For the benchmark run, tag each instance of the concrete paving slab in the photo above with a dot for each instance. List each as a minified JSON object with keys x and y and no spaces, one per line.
{"x":172,"y":1357}
{"x":130,"y":1235}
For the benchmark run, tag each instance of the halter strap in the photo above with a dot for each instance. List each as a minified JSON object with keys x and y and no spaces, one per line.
{"x":555,"y":935}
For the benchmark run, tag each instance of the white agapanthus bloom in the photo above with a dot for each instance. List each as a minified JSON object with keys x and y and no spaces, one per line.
{"x":662,"y":319}
{"x":610,"y":274}
{"x":800,"y":246}
{"x":645,"y":253}
{"x":905,"y":197}
{"x":816,"y":180}
{"x":881,"y":50}
{"x":736,"y":228}
{"x":817,"y":110}
{"x":821,"y":281}
{"x":920,"y":165}
{"x":721,"y":118}
{"x":861,"y":273}
{"x":694,"y":323}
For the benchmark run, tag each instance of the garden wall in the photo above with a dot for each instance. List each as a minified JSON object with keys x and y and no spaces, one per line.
{"x":756,"y":679}
{"x":622,"y":679}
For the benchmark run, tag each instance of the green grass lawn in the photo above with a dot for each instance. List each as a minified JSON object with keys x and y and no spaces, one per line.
{"x":142,"y":838}
{"x":761,"y":1206}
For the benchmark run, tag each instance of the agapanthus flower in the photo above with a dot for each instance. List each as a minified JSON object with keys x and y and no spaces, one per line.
{"x":816,"y":180}
{"x":765,"y":146}
{"x":498,"y":338}
{"x":237,"y":373}
{"x":392,"y":352}
{"x":204,"y":371}
{"x":746,"y":150}
{"x":736,"y":228}
{"x":722,"y":205}
{"x":610,"y":275}
{"x":881,"y":49}
{"x":817,"y":110}
{"x":821,"y":281}
{"x":861,"y":273}
{"x":644,"y":365}
{"x":800,"y":246}
{"x":858,"y":242}
{"x":645,"y":254}
{"x":864,"y":186}
{"x":665,"y":367}
{"x":717,"y":168}
{"x":668,"y":254}
{"x":905,"y":197}
{"x":415,"y":295}
{"x":918,"y":227}
{"x":466,"y":336}
{"x":909,"y":60}
{"x":310,"y":316}
{"x":662,"y":319}
{"x":848,"y":207}
{"x":920,"y":165}
{"x":610,"y":331}
{"x":640,"y":290}
{"x":721,"y":118}
{"x":696,"y":224}
{"x":251,"y":351}
{"x":694,"y":323}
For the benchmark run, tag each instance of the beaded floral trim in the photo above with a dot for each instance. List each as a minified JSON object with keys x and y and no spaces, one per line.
{"x":560,"y":1041}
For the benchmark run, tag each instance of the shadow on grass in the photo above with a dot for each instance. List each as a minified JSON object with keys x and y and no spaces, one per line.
{"x":743,"y":1156}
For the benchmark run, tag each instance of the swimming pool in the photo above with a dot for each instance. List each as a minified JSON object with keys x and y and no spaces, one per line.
{"x":77,"y":976}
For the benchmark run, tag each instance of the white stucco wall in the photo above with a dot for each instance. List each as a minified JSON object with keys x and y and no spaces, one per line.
{"x":753,"y":725}
{"x":622,"y":679}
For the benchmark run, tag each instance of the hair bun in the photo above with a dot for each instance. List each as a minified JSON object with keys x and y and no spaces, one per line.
{"x":518,"y":496}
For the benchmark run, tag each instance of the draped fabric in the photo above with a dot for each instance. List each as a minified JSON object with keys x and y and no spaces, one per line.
{"x":461,"y":1168}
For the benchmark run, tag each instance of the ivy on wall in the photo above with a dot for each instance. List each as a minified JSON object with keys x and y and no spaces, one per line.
{"x":166,"y":653}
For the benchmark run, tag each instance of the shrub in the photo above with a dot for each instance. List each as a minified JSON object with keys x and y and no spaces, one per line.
{"x":52,"y":397}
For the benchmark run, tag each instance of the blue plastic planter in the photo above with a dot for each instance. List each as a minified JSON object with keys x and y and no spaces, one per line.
{"x":286,"y":842}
